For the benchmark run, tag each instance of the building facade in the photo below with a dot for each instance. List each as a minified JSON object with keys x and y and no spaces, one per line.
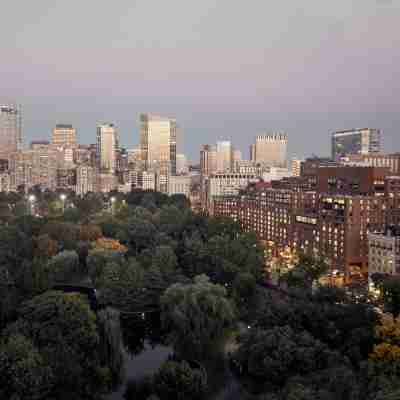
{"x":10,"y":130}
{"x":271,"y":149}
{"x":355,"y":141}
{"x":158,"y":141}
{"x":64,"y":135}
{"x":384,"y":252}
{"x":180,"y":185}
{"x":106,"y":148}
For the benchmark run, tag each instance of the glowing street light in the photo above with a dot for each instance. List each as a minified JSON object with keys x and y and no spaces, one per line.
{"x":31,"y":200}
{"x":63,"y":198}
{"x":112,"y":204}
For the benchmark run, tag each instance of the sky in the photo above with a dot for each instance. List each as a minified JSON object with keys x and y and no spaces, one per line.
{"x":225,"y":69}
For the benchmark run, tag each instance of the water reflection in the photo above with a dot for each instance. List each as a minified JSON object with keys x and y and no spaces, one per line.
{"x":143,"y":348}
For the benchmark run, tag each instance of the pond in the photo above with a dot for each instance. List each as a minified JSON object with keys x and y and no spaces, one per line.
{"x":144,"y":351}
{"x":142,"y":347}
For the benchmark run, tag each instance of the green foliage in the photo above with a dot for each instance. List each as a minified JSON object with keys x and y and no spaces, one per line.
{"x":165,"y":259}
{"x":65,"y":233}
{"x":121,"y":285}
{"x":110,"y":340}
{"x":97,"y":261}
{"x":63,"y":329}
{"x":277,"y":354}
{"x":391,"y":295}
{"x":196,"y":315}
{"x":63,"y":266}
{"x":24,"y":374}
{"x":178,"y":381}
{"x":348,"y":328}
{"x":306,"y":271}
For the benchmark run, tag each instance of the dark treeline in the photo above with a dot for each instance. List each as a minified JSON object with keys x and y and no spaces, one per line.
{"x":146,"y":250}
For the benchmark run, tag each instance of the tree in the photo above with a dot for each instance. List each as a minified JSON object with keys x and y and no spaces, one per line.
{"x":178,"y":381}
{"x":65,"y":233}
{"x":97,"y":261}
{"x":243,"y":292}
{"x":110,"y":336}
{"x":140,"y":235}
{"x":391,"y":295}
{"x":196,"y":315}
{"x":110,"y":245}
{"x":64,"y":266}
{"x":276,"y":354}
{"x":121,"y":284}
{"x":90,"y":233}
{"x":24,"y":374}
{"x":387,"y":335}
{"x":45,"y":247}
{"x":63,"y":329}
{"x":180,"y":201}
{"x":306,"y":271}
{"x":165,"y":259}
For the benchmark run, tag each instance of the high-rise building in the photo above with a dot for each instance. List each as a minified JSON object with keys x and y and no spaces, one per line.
{"x":208,"y":160}
{"x":271,"y":149}
{"x":64,"y":135}
{"x":106,"y":147}
{"x":85,"y":179}
{"x":10,"y":130}
{"x":355,"y":141}
{"x":181,"y":164}
{"x":224,"y":156}
{"x":158,"y":141}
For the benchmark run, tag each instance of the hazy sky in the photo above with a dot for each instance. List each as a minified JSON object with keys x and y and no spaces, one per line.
{"x":224,"y":68}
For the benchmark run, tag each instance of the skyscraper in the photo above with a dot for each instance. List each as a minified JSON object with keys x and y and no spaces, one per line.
{"x":158,"y":142}
{"x":355,"y":141}
{"x":224,"y":156}
{"x":10,"y":129}
{"x":208,"y":160}
{"x":64,"y":135}
{"x":271,"y":149}
{"x":106,"y":147}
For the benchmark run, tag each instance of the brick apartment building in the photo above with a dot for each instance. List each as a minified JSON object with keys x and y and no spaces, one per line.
{"x":332,"y":222}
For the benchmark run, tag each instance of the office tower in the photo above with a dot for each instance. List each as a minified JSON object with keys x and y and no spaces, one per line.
{"x":296,"y":166}
{"x":106,"y":147}
{"x":10,"y":130}
{"x":64,"y":135}
{"x":36,"y":166}
{"x":181,"y":164}
{"x":355,"y":141}
{"x":208,"y":160}
{"x":224,"y":156}
{"x":158,"y":142}
{"x":85,"y":179}
{"x":271,"y":149}
{"x":253,"y":152}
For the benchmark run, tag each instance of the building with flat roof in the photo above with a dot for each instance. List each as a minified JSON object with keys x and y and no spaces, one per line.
{"x":384,"y":252}
{"x":10,"y":129}
{"x":64,"y":135}
{"x":355,"y":141}
{"x":270,"y":149}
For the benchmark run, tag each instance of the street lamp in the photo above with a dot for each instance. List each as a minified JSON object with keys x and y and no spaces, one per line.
{"x":63,"y":197}
{"x":112,"y":205}
{"x":31,"y":199}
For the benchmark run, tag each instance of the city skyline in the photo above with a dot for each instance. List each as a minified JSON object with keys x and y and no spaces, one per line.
{"x":307,"y":69}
